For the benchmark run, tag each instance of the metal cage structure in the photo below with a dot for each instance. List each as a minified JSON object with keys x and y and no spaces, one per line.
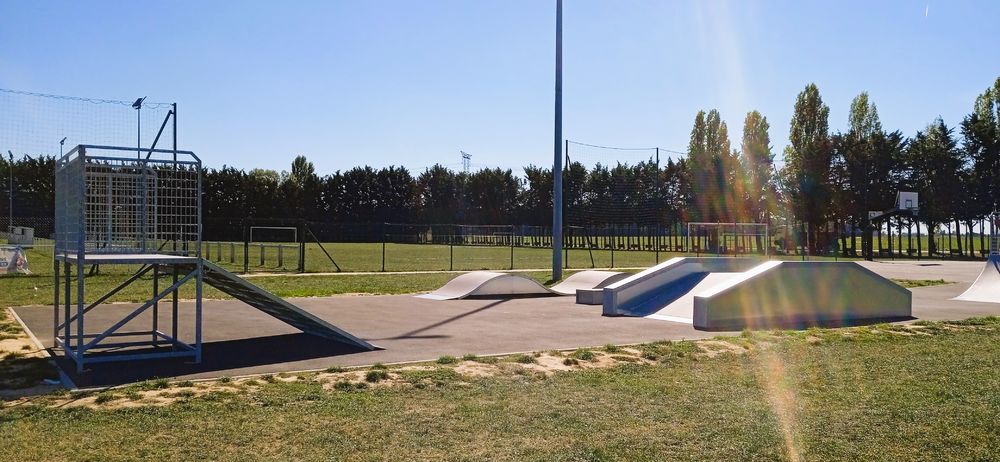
{"x":126,"y":206}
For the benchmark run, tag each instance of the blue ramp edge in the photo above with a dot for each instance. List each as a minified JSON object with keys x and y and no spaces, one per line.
{"x":277,"y":307}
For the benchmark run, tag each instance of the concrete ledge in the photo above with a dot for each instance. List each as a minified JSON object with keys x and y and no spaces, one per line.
{"x":788,"y":294}
{"x":589,"y":296}
{"x":627,"y":296}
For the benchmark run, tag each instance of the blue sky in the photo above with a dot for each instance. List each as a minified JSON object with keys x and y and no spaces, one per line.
{"x":413,"y":82}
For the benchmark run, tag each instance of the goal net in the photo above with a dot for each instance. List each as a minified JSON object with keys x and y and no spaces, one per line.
{"x":728,"y":238}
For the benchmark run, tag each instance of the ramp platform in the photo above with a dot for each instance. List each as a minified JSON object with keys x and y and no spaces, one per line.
{"x":487,"y":284}
{"x":986,"y":288}
{"x":275,"y":306}
{"x":726,"y":294}
{"x":650,"y":290}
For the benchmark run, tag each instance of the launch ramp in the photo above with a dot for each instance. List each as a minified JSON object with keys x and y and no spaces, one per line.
{"x":589,"y":279}
{"x":987,"y":285}
{"x":275,"y":306}
{"x":487,"y":284}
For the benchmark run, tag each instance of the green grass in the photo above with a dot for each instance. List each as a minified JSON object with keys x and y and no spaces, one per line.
{"x":910,"y":283}
{"x":855,"y":394}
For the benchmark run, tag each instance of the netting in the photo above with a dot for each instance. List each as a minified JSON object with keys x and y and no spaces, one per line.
{"x":33,"y":124}
{"x":611,"y":186}
{"x":109,"y":202}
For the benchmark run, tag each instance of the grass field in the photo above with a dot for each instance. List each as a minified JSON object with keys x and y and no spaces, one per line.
{"x":874,"y":393}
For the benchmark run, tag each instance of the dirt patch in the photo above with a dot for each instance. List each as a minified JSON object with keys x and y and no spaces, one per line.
{"x":713,"y":348}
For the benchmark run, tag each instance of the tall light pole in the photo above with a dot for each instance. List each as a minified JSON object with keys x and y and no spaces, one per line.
{"x":137,"y":105}
{"x":557,"y":189}
{"x":10,"y":196}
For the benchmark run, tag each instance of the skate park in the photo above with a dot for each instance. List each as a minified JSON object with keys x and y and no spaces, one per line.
{"x":239,"y":340}
{"x":478,"y":312}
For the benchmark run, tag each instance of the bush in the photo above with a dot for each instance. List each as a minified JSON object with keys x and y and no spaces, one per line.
{"x":376,"y":375}
{"x":447,"y":360}
{"x":523,"y":359}
{"x":583,"y":354}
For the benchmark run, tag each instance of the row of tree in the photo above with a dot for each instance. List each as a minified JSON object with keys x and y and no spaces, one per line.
{"x":827,"y":185}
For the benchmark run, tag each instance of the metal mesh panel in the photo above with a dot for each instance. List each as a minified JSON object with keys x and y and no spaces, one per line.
{"x":109,"y":201}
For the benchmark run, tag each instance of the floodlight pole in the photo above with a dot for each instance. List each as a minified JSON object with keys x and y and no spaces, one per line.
{"x":137,"y":105}
{"x":10,"y":196}
{"x":557,"y":189}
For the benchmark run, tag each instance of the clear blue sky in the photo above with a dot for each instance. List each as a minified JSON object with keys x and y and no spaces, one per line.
{"x":413,"y":82}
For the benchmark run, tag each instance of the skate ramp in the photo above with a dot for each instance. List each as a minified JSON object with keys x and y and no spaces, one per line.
{"x":485,"y":284}
{"x":986,"y":288}
{"x":652,"y":289}
{"x":589,"y":279}
{"x":678,"y":306}
{"x":785,"y":294}
{"x":275,"y":306}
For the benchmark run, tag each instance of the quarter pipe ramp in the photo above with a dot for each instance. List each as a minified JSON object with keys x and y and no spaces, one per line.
{"x":987,"y":285}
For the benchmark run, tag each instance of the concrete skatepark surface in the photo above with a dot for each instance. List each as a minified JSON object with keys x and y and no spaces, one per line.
{"x":240,"y":340}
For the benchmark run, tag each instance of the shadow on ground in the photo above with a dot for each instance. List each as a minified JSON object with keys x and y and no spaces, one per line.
{"x":217,"y":357}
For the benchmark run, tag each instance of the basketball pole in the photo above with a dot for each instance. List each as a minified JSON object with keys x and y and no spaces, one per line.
{"x":557,"y":190}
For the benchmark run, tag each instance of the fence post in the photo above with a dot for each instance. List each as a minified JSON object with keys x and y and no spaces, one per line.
{"x":383,"y":246}
{"x":246,"y":252}
{"x":511,"y":246}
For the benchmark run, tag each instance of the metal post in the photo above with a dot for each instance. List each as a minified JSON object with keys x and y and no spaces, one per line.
{"x":55,"y":301}
{"x":383,"y":247}
{"x":66,"y":334}
{"x":156,"y":305}
{"x":173,"y":307}
{"x":10,"y":196}
{"x":79,"y":310}
{"x":511,"y":246}
{"x":197,"y":310}
{"x":557,"y":193}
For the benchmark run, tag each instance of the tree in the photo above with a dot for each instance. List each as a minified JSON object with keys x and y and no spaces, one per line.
{"x":758,"y":165}
{"x":536,"y":198}
{"x":758,"y":196}
{"x":981,"y":143}
{"x":437,"y":195}
{"x":935,"y":165}
{"x":808,"y":157}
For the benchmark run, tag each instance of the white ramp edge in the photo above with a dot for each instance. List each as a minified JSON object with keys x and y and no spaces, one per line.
{"x":589,"y":279}
{"x":987,"y":285}
{"x":788,"y":294}
{"x":487,"y":284}
{"x":638,"y":295}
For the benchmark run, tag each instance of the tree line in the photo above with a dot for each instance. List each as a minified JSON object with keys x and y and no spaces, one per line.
{"x":827,"y":185}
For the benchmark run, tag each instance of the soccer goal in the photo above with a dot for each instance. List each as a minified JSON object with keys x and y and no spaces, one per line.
{"x":273,"y":248}
{"x":728,"y":238}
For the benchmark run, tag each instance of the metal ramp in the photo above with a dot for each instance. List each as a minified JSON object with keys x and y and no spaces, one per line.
{"x":244,"y":291}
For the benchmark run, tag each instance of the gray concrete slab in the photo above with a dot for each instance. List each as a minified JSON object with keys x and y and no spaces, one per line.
{"x":240,"y":340}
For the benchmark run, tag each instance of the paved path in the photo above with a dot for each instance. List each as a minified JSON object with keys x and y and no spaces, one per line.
{"x":241,"y":340}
